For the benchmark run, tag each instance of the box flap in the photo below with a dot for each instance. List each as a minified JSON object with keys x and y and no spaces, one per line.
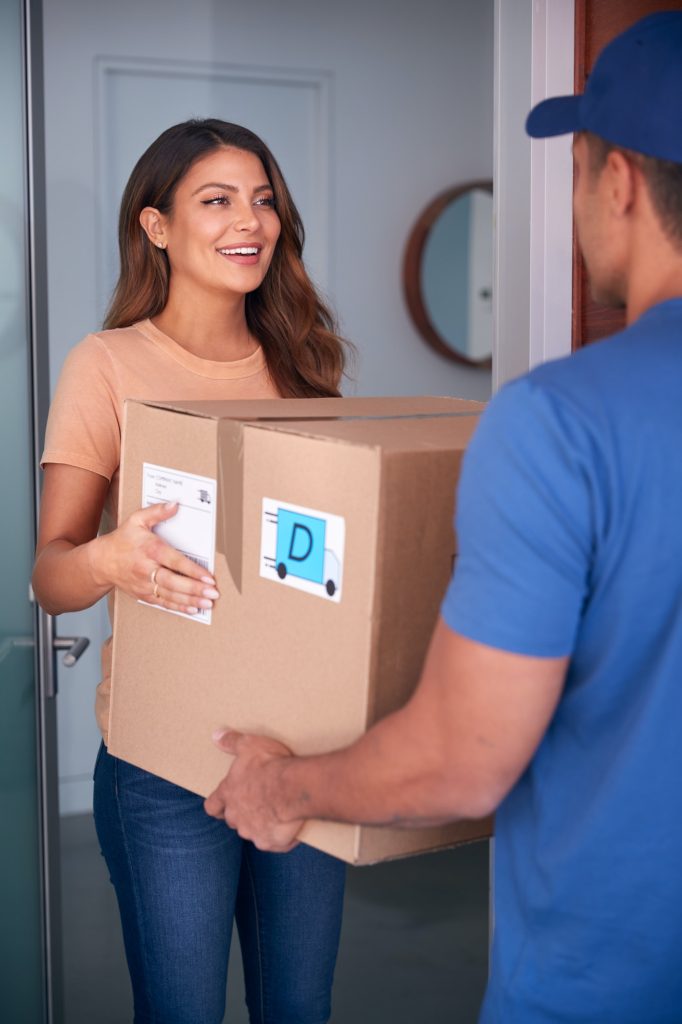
{"x":319,"y":408}
{"x":244,"y":410}
{"x":342,"y":419}
{"x":442,"y":431}
{"x":409,"y":423}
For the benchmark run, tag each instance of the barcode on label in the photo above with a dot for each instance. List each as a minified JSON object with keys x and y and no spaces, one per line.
{"x":196,"y":558}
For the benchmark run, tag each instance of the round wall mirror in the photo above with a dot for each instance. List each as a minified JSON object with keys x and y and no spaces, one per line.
{"x":448,"y":272}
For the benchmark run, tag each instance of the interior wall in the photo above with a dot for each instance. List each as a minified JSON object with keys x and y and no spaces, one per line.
{"x":411,"y":114}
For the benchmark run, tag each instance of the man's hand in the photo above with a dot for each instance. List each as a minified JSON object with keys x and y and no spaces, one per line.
{"x":453,"y":751}
{"x":245,"y":798}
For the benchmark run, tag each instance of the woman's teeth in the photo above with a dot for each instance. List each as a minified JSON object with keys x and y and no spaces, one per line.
{"x":243,"y":250}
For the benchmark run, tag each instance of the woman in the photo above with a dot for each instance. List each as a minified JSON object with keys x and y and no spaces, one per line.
{"x":212,"y":302}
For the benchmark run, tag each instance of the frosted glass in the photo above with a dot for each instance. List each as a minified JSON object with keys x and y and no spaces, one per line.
{"x":21,"y":979}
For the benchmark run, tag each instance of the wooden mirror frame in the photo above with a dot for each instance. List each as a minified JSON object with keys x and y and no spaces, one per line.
{"x":412,"y":262}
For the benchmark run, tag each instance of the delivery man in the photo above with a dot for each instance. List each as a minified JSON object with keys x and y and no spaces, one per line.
{"x":552,"y":689}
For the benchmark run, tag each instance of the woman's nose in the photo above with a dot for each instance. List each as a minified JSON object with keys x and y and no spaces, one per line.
{"x":245,"y":218}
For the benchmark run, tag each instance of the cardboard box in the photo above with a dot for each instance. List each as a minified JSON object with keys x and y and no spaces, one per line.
{"x":333,"y":547}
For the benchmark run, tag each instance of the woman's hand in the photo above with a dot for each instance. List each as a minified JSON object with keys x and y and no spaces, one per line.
{"x":74,"y":567}
{"x":138,"y":562}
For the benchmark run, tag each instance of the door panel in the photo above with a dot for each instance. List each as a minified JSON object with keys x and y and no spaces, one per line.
{"x":21,"y":964}
{"x":596,"y":24}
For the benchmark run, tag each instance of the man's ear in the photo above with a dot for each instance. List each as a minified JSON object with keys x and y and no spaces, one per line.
{"x":154,"y":226}
{"x":621,"y":181}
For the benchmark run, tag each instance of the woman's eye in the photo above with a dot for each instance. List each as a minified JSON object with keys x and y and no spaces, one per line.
{"x":216,"y":201}
{"x":266,"y":201}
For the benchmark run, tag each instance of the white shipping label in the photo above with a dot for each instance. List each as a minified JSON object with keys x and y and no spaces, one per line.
{"x":302,"y":548}
{"x":192,"y":529}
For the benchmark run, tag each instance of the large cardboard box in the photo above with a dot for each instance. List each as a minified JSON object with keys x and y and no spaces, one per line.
{"x":328,"y":524}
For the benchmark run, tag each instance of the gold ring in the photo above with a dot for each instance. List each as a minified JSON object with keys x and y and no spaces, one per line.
{"x":153,"y":575}
{"x":156,"y":590}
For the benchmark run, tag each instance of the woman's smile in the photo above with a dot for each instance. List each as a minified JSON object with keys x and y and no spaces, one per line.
{"x":245,"y":255}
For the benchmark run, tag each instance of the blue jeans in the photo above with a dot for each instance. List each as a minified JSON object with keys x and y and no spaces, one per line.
{"x":181,"y":878}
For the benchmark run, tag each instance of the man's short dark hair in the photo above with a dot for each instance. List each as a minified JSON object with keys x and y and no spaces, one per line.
{"x":663,"y":178}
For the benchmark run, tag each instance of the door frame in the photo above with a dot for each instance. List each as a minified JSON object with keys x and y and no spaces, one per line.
{"x":533,"y":184}
{"x":46,"y":711}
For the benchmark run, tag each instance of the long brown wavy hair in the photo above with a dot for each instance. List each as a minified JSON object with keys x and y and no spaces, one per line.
{"x":304,"y":353}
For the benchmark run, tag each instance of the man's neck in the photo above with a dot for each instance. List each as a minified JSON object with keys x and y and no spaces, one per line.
{"x":654,"y":274}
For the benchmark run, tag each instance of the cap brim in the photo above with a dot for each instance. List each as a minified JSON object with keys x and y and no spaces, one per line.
{"x":559,"y":115}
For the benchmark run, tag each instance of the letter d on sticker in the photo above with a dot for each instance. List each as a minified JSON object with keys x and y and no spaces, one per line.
{"x":298,"y":554}
{"x":300,"y":545}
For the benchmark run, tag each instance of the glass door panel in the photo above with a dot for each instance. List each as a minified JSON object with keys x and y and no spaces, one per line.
{"x":22,"y":983}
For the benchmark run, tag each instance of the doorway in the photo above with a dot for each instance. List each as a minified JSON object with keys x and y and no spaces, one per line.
{"x":114,"y":78}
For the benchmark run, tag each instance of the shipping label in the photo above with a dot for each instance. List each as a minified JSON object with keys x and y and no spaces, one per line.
{"x":192,"y":529}
{"x":302,"y":548}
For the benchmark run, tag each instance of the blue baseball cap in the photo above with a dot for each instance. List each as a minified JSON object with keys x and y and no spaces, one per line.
{"x":633,"y":96}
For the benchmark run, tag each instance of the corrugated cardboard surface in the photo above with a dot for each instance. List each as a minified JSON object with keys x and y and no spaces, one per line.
{"x":323,"y":408}
{"x":308,"y":671}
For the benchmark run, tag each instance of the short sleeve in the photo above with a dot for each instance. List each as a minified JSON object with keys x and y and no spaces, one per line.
{"x":83,"y":426}
{"x":525,"y":524}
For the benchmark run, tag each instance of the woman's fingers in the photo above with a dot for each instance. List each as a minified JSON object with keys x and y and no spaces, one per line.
{"x":174,"y":588}
{"x":154,"y":514}
{"x":168,"y":555}
{"x":146,"y":566}
{"x":184,"y":566}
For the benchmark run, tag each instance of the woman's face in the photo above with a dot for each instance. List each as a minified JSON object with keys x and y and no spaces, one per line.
{"x":223,"y":228}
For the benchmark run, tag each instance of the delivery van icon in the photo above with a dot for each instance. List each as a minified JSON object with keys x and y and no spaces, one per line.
{"x":302,"y":548}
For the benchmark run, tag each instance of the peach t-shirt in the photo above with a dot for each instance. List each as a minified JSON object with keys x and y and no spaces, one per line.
{"x":84,"y":424}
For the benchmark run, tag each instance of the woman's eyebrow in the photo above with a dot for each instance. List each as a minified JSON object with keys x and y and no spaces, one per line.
{"x":230,"y":188}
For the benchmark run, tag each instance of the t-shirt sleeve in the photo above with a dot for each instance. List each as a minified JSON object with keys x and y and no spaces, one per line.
{"x":83,"y":425}
{"x":525,"y":524}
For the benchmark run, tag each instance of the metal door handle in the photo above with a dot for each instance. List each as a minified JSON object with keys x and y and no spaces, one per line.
{"x":74,"y":647}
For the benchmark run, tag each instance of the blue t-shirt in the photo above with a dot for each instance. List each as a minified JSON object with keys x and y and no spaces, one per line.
{"x":570,"y":542}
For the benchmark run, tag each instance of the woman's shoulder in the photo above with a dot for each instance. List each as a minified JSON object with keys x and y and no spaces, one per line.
{"x":115,"y":339}
{"x":114,"y":346}
{"x":102,"y":357}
